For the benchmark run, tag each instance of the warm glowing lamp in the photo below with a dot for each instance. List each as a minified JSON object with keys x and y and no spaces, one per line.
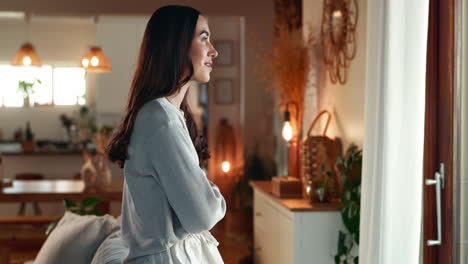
{"x":26,"y":56}
{"x":287,"y":186}
{"x":287,"y":135}
{"x":225,"y":150}
{"x":287,"y":131}
{"x":95,"y":61}
{"x":226,"y":166}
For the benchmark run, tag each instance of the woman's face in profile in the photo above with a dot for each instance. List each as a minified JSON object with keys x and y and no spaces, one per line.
{"x":202,"y":52}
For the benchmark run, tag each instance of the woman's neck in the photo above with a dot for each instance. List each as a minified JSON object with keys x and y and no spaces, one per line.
{"x":177,"y":98}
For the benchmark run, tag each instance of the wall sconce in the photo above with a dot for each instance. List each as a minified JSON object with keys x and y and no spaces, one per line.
{"x":288,"y":132}
{"x":225,"y":154}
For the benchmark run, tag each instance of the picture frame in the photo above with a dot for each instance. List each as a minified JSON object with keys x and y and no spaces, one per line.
{"x":225,"y":50}
{"x":224,"y":91}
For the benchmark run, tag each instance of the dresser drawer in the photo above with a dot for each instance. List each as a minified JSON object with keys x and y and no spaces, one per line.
{"x":260,"y":205}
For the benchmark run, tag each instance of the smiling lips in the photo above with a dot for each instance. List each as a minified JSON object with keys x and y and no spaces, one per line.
{"x":209,"y":65}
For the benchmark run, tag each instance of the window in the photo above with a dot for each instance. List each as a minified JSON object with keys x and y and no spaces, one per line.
{"x":59,"y":85}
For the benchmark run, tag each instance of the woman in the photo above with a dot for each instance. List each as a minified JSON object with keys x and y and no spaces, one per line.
{"x":168,"y":202}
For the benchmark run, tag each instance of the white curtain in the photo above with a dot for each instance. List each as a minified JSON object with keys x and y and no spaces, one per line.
{"x":391,"y":205}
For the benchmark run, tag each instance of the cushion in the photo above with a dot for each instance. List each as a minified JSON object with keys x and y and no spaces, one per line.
{"x":112,"y":250}
{"x":75,"y":239}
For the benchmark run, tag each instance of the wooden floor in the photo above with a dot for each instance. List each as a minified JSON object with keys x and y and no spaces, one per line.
{"x":233,"y":248}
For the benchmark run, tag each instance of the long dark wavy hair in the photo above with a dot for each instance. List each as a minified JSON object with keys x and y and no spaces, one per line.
{"x":163,"y":61}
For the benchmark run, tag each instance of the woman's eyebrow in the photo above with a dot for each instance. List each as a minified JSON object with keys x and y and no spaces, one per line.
{"x":206,"y":32}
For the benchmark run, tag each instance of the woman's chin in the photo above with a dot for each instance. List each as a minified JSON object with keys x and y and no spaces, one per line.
{"x":203,"y":79}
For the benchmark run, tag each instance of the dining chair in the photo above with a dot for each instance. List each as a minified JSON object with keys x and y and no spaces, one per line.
{"x":29,"y":176}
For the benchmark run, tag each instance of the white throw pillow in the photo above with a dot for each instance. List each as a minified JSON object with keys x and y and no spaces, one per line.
{"x":112,"y":250}
{"x":75,"y":239}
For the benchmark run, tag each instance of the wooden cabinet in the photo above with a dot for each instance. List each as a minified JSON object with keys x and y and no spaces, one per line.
{"x":293,"y":236}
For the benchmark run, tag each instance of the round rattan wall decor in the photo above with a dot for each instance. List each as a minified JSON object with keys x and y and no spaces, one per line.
{"x":338,"y":41}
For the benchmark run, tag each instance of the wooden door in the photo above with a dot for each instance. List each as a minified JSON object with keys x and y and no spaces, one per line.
{"x":438,"y":143}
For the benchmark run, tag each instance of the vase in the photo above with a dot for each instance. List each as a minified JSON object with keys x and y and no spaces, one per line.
{"x":89,"y":174}
{"x":26,"y":103}
{"x":103,"y":171}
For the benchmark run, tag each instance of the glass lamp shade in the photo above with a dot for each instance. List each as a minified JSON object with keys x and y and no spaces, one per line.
{"x":225,"y":166}
{"x":26,"y":56}
{"x":287,"y":131}
{"x":95,"y":61}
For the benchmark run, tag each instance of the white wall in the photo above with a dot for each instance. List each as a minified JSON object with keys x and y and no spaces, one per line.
{"x":345,"y":102}
{"x":121,"y":37}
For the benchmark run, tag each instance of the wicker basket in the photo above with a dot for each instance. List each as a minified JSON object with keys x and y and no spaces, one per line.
{"x":319,"y":155}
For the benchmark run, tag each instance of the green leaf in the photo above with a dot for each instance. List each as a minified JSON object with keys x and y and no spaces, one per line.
{"x":337,"y":259}
{"x":341,"y":243}
{"x":90,"y":202}
{"x":339,"y":160}
{"x":69,"y":203}
{"x":356,"y":260}
{"x":351,"y":162}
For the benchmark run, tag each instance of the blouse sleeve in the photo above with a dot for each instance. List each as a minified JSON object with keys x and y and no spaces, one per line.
{"x":197,"y":202}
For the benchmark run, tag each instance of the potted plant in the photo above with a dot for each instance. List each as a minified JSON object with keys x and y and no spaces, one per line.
{"x":26,"y":89}
{"x":349,"y":167}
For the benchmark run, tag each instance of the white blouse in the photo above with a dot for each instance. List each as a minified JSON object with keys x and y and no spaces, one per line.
{"x":169,"y":205}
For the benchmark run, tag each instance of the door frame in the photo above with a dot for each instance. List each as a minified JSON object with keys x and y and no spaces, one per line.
{"x":457,"y":124}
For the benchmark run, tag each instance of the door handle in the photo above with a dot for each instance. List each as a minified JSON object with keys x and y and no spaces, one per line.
{"x":438,"y":181}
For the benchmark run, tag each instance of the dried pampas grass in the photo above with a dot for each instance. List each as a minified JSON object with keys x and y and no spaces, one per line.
{"x":287,"y":66}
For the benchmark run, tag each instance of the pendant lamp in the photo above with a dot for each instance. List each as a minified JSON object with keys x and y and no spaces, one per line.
{"x":26,"y":56}
{"x":95,"y":61}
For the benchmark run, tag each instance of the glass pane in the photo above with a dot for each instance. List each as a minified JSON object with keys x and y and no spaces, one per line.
{"x":42,"y":92}
{"x":69,"y":86}
{"x":10,"y":76}
{"x":9,"y":86}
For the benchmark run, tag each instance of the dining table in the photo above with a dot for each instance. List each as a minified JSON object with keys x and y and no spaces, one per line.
{"x":54,"y":190}
{"x":13,"y":232}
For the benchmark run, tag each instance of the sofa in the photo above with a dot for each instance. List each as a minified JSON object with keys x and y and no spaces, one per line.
{"x":86,"y":239}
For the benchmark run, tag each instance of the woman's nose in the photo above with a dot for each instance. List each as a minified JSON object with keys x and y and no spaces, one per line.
{"x":213,"y":52}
